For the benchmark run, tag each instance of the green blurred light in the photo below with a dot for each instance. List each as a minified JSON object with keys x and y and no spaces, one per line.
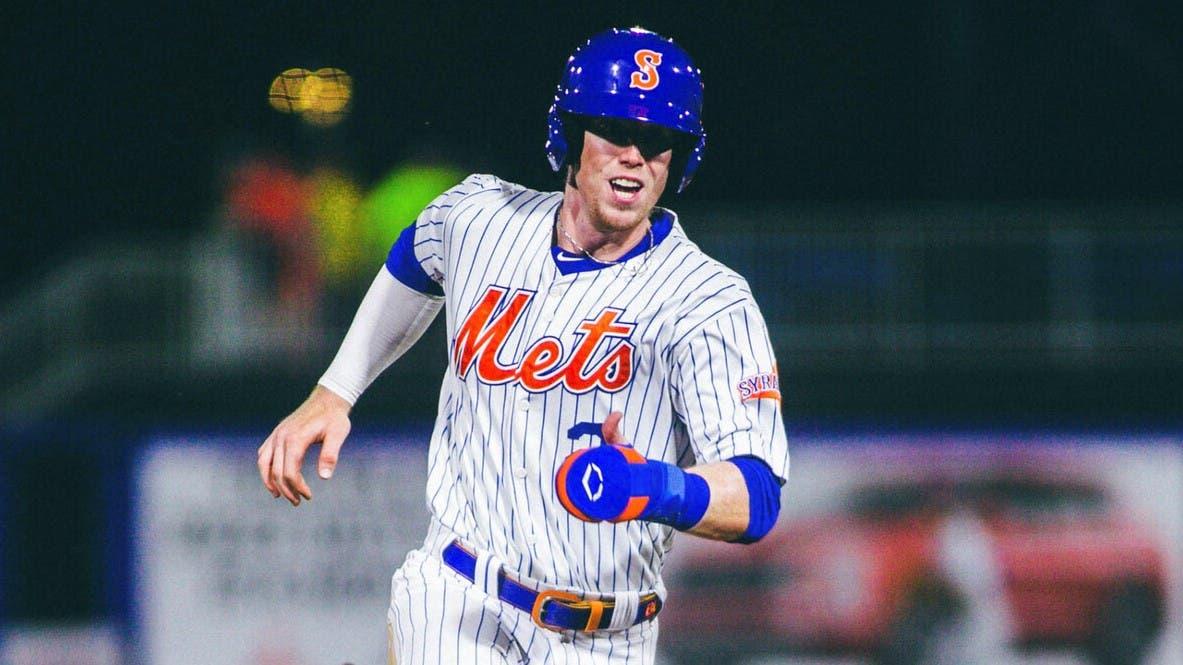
{"x":394,"y":203}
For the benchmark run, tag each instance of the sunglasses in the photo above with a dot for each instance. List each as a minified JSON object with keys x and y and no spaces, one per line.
{"x":649,"y":138}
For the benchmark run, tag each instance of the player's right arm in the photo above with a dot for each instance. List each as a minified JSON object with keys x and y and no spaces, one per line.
{"x":400,"y":304}
{"x":391,"y":318}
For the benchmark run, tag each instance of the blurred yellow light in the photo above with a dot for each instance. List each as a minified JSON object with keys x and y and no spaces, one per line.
{"x":333,"y":206}
{"x":320,"y":97}
{"x":286,"y":93}
{"x":333,"y":91}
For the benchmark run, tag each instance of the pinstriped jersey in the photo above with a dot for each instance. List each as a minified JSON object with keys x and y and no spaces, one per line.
{"x":540,"y":340}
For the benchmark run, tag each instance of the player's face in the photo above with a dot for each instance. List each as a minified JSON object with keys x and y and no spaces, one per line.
{"x":623,"y":170}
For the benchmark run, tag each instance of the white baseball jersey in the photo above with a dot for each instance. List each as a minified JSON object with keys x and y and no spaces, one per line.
{"x":541,"y":339}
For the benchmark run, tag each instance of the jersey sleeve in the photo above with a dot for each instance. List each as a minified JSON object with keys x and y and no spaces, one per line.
{"x":390,"y":319}
{"x":418,"y":258}
{"x":726,"y":388}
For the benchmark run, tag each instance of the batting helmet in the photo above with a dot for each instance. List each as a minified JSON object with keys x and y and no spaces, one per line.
{"x":632,"y":74}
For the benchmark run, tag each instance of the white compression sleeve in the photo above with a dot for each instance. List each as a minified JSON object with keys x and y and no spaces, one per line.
{"x":390,"y":319}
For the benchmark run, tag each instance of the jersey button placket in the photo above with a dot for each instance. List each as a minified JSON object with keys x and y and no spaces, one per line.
{"x":550,"y":304}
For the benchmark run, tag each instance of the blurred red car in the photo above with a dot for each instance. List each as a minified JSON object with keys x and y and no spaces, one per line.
{"x":1073,"y":570}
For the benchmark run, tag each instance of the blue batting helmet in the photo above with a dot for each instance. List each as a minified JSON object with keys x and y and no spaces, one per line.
{"x":632,"y":74}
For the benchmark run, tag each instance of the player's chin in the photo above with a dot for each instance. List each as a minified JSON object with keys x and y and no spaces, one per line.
{"x":627,"y":213}
{"x":614,"y":218}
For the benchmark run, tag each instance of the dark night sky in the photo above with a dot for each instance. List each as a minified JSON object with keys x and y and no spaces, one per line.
{"x":117,"y":118}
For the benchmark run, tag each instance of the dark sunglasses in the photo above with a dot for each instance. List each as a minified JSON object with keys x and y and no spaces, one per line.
{"x":649,"y":138}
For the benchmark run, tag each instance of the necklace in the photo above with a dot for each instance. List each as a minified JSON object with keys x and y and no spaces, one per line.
{"x":559,"y":223}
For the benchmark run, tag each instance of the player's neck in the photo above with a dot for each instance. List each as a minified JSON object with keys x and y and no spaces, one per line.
{"x":586,"y":231}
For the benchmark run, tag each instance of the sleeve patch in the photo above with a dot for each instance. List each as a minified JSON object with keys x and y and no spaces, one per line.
{"x":759,"y":386}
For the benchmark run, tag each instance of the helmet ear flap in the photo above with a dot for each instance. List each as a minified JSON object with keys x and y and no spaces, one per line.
{"x":680,"y":162}
{"x":691,"y":162}
{"x":573,"y":128}
{"x":556,"y":140}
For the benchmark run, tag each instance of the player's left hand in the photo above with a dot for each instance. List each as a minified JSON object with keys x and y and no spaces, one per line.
{"x":615,"y":483}
{"x":596,"y":484}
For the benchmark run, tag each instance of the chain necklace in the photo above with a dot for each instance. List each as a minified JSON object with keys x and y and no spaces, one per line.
{"x":563,"y":230}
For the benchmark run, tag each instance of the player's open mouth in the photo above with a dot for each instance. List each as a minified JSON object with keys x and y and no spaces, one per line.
{"x":626,"y":188}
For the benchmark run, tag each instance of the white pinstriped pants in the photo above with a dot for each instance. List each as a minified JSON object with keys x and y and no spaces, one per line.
{"x":437,"y":616}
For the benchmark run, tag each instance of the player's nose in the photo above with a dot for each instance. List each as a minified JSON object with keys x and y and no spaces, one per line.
{"x":631,"y":155}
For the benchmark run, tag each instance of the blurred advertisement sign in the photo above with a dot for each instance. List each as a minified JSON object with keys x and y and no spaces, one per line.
{"x":224,"y":574}
{"x":948,"y":549}
{"x":891,"y":549}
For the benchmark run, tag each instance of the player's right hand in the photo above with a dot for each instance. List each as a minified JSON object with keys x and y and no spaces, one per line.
{"x":323,"y":418}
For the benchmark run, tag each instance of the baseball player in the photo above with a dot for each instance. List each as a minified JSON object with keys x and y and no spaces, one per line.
{"x":608,"y":384}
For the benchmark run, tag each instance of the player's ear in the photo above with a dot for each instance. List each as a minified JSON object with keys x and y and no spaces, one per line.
{"x":572,"y":169}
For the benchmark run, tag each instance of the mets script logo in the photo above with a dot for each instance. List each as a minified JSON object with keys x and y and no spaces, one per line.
{"x":546,"y":363}
{"x":760,"y":386}
{"x":647,"y":78}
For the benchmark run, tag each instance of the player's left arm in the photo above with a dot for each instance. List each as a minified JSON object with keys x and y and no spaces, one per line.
{"x":744,"y":505}
{"x":726,"y":391}
{"x":737,"y":500}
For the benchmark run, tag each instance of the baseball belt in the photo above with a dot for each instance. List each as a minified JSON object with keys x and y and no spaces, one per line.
{"x":550,"y":609}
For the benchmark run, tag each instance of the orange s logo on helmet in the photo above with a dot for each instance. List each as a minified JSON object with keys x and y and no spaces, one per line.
{"x":647,"y":78}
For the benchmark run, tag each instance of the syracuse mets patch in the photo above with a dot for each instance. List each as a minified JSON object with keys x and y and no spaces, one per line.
{"x":759,"y":386}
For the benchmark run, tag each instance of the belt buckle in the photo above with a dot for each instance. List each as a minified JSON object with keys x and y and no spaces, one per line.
{"x":593,"y":620}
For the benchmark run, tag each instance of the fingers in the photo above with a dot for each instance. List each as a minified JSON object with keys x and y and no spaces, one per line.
{"x":613,"y":428}
{"x":264,"y":462}
{"x":278,"y":472}
{"x":322,"y":418}
{"x":293,"y":460}
{"x":280,"y":459}
{"x":331,"y":448}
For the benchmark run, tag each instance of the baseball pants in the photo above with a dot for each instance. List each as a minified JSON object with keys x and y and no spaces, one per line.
{"x":438,"y":616}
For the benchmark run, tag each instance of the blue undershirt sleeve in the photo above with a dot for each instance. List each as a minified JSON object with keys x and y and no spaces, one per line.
{"x":405,"y":266}
{"x":763,"y":496}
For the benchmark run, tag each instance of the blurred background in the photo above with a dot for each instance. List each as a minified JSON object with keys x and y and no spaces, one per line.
{"x":961,"y":219}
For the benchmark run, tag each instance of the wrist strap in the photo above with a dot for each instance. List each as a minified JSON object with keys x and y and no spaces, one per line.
{"x":676,"y":498}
